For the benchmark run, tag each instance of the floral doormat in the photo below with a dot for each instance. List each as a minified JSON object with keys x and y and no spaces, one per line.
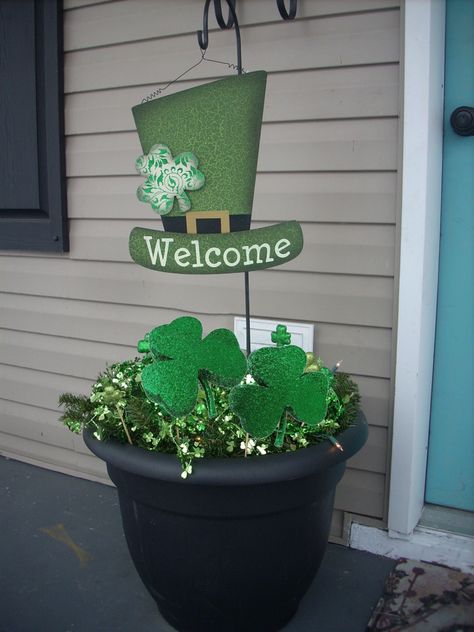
{"x":423,"y":597}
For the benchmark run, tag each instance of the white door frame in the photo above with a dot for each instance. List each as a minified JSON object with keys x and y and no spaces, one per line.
{"x":423,"y":33}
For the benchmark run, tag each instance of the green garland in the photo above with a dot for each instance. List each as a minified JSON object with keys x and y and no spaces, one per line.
{"x":119,"y":410}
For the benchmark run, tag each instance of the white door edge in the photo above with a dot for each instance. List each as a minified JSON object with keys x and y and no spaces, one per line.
{"x":423,"y":30}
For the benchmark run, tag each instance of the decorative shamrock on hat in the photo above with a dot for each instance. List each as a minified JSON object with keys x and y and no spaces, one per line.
{"x":183,"y":359}
{"x":168,"y":178}
{"x":281,"y":387}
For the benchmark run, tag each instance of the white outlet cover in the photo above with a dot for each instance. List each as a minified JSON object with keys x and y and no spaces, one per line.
{"x":302,"y":334}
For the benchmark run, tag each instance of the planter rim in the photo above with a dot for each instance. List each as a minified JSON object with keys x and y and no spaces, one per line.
{"x":268,"y":468}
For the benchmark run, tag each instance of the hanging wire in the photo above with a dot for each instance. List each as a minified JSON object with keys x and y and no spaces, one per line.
{"x":203,"y":36}
{"x":156,"y":93}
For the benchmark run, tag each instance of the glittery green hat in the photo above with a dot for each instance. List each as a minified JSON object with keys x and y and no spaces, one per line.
{"x":200,"y":149}
{"x":199,"y":163}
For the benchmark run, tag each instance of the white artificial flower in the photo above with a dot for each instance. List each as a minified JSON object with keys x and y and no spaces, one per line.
{"x":187,"y":471}
{"x":250,"y":445}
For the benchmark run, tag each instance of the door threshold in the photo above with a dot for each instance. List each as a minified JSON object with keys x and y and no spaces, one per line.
{"x":447,"y":519}
{"x":428,"y":545}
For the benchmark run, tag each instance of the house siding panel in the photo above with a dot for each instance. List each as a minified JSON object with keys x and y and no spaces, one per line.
{"x":322,"y":197}
{"x":328,"y":159}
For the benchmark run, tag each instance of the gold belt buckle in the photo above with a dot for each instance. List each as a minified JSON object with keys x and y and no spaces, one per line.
{"x":193,"y":216}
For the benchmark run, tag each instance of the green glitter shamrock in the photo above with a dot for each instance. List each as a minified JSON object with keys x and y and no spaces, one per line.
{"x":168,"y":178}
{"x":280,"y":336}
{"x":183,"y":359}
{"x":281,"y":387}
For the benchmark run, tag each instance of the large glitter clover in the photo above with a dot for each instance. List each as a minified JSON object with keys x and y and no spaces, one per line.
{"x":168,"y":178}
{"x":280,"y":387}
{"x":183,"y":359}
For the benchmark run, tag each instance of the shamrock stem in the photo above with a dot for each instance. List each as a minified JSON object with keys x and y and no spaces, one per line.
{"x":246,"y":452}
{"x":210,"y":401}
{"x":124,"y":425}
{"x":281,"y":431}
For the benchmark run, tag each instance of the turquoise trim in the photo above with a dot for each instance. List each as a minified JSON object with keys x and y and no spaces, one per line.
{"x":450,"y":475}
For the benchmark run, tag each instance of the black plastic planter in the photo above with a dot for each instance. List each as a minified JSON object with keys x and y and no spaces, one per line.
{"x":235,"y":546}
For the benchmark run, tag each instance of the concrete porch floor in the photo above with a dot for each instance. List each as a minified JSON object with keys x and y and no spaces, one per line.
{"x":65,"y":565}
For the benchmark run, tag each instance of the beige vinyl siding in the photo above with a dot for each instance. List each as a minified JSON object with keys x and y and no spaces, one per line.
{"x":328,"y":159}
{"x":331,"y":197}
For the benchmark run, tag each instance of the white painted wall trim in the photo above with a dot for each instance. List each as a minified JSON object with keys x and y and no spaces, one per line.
{"x":425,"y":544}
{"x":423,"y":78}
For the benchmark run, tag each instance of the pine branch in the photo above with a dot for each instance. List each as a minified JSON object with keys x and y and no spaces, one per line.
{"x":77,"y":410}
{"x":348,"y":392}
{"x":69,"y":399}
{"x":140,"y":412}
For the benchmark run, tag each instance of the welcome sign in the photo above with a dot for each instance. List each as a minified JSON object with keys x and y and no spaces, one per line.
{"x":200,"y":150}
{"x":198,"y":254}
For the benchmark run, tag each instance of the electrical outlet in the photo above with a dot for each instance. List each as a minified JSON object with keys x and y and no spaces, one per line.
{"x":302,"y":334}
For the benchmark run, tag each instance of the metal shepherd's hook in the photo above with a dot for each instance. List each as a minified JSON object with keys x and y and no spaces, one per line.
{"x":203,"y":39}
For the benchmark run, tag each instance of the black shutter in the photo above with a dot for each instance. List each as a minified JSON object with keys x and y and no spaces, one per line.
{"x":33,"y":212}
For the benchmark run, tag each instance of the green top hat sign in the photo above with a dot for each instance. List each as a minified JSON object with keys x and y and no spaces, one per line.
{"x":199,"y":163}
